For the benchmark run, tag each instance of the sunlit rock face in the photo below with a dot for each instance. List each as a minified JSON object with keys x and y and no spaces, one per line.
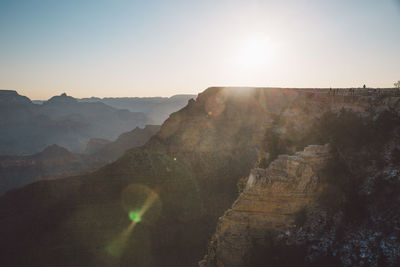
{"x":222,"y":119}
{"x":271,"y":198}
{"x":220,"y":134}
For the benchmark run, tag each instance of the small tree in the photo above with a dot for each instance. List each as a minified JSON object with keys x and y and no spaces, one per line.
{"x":397,"y":84}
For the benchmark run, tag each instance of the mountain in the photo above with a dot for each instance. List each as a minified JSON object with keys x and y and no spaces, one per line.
{"x":55,"y":162}
{"x":10,"y":97}
{"x":158,"y":205}
{"x":27,"y":128}
{"x":113,"y":150}
{"x":157,"y":109}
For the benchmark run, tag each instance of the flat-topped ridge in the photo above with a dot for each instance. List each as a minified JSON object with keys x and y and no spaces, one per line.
{"x":11,"y":97}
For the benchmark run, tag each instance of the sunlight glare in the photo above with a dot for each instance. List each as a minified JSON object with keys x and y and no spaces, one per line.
{"x":255,"y":52}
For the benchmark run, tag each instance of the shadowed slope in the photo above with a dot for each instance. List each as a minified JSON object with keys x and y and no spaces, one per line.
{"x":215,"y":140}
{"x":72,"y":221}
{"x":57,"y":162}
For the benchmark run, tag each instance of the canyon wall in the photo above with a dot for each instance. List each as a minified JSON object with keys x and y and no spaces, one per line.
{"x":193,"y":163}
{"x":269,"y":201}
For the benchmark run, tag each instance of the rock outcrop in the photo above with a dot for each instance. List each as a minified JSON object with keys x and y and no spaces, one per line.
{"x":270,"y":200}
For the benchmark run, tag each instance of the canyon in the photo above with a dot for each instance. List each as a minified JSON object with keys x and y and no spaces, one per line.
{"x":193,"y":163}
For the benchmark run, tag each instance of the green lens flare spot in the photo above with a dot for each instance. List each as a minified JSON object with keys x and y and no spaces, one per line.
{"x":135,"y":216}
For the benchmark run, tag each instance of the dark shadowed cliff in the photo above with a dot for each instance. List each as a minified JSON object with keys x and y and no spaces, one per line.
{"x":183,"y":179}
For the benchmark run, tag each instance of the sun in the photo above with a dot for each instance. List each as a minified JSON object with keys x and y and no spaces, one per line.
{"x":254,"y":52}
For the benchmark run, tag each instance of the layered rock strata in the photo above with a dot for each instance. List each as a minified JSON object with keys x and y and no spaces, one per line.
{"x":269,"y":201}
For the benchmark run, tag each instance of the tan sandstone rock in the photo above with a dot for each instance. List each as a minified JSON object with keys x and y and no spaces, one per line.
{"x":271,"y":198}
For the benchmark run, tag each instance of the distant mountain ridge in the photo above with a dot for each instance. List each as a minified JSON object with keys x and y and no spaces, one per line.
{"x":28,"y":128}
{"x":57,"y":162}
{"x":9,"y":97}
{"x":157,"y":109}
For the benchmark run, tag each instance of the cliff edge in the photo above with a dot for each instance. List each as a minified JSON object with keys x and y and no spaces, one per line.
{"x":270,"y":200}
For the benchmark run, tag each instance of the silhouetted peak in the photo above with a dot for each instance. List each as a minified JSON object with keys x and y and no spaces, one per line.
{"x":11,"y":97}
{"x":63,"y":98}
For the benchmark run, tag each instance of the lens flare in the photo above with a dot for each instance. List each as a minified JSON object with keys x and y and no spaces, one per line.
{"x":135,"y":216}
{"x":143,"y":206}
{"x":117,"y":246}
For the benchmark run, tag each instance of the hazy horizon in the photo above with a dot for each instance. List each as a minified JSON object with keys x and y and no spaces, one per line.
{"x":163,"y":48}
{"x":182,"y":94}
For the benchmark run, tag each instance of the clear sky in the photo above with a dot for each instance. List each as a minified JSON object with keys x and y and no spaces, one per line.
{"x":161,"y":48}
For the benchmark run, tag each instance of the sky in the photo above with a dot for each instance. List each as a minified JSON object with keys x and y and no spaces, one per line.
{"x":162,"y":48}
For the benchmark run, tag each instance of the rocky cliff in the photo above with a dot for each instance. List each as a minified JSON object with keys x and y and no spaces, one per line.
{"x":269,"y":201}
{"x":315,"y":209}
{"x":193,"y":163}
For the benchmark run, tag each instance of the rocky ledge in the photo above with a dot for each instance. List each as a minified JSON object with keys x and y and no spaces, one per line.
{"x":269,"y":201}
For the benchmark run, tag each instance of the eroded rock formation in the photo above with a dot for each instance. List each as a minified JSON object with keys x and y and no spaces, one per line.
{"x":215,"y":140}
{"x":270,"y":200}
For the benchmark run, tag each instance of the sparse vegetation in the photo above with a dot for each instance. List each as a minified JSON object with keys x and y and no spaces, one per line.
{"x":241,"y":184}
{"x":357,"y":145}
{"x":352,"y":193}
